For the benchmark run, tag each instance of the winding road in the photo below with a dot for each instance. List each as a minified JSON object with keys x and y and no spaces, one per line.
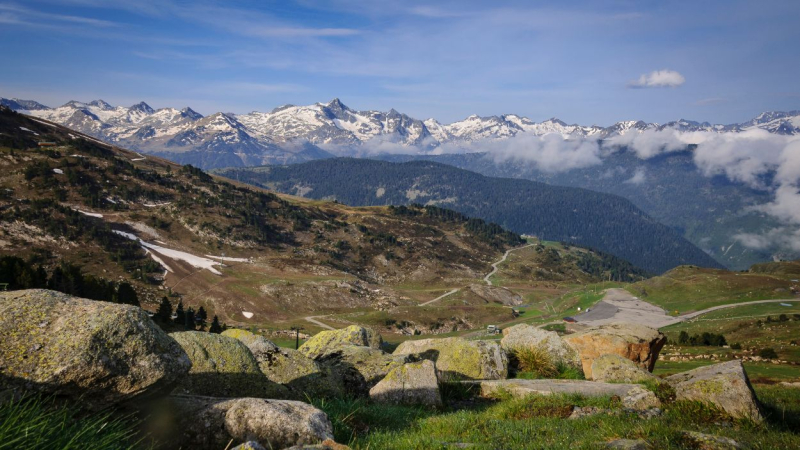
{"x":495,"y":268}
{"x":495,"y":265}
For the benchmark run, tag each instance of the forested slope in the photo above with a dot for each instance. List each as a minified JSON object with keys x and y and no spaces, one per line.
{"x":606,"y":222}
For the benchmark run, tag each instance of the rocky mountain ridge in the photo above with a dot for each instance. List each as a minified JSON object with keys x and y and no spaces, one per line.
{"x":290,"y":133}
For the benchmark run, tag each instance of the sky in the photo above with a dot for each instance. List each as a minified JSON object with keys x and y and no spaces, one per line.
{"x":591,"y":62}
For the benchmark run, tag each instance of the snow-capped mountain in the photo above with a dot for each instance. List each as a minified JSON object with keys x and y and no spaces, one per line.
{"x":297,"y":133}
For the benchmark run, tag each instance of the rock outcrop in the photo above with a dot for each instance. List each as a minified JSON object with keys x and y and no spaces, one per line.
{"x":302,"y":375}
{"x":411,"y":384}
{"x":458,"y":358}
{"x":633,"y":396}
{"x":527,"y":336}
{"x":723,"y":385}
{"x":496,"y":294}
{"x":223,"y":367}
{"x":101,"y":353}
{"x":212,"y":423}
{"x":327,"y":341}
{"x":637,"y":343}
{"x":613,"y":368}
{"x":357,"y":369}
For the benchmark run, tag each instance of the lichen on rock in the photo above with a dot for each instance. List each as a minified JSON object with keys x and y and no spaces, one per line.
{"x":101,"y":353}
{"x":458,"y":358}
{"x":330,"y":340}
{"x":223,"y":367}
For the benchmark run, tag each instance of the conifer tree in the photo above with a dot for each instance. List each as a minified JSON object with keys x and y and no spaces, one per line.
{"x":215,"y":327}
{"x":180,"y":314}
{"x":164,"y":313}
{"x":188,"y":323}
{"x":127,"y":296}
{"x":202,"y":314}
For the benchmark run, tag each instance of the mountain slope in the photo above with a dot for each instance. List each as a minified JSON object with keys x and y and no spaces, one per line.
{"x":601,"y":221}
{"x":233,"y":249}
{"x":708,"y":211}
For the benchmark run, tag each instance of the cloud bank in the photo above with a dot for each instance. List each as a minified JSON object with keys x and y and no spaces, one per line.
{"x":756,"y":158}
{"x":658,"y":78}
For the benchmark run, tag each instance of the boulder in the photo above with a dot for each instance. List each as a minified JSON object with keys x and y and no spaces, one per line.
{"x":694,"y":439}
{"x":637,"y":343}
{"x":327,"y":341}
{"x":613,"y":368}
{"x":327,"y":444}
{"x":627,"y":444}
{"x":259,"y":345}
{"x":358,"y":369}
{"x":249,"y":445}
{"x":411,"y":384}
{"x":101,"y":353}
{"x":458,"y":358}
{"x":524,"y":335}
{"x":723,"y":385}
{"x":633,"y":396}
{"x":223,"y":367}
{"x":302,"y":375}
{"x":213,"y":423}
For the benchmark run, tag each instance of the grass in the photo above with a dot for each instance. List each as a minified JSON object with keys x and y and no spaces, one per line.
{"x":37,"y":423}
{"x":689,"y":288}
{"x":539,"y":422}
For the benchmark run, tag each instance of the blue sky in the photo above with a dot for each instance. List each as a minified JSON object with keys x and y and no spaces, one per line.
{"x":587,"y":62}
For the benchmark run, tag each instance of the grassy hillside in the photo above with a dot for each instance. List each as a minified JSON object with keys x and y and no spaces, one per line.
{"x":690,"y":288}
{"x":602,"y":221}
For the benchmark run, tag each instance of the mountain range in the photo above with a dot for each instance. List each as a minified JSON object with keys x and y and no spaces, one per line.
{"x":290,"y":134}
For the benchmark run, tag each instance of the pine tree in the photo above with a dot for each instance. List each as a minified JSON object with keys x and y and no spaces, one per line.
{"x":164,"y":313}
{"x":188,"y":323}
{"x":127,"y":296}
{"x":180,"y":315}
{"x":202,"y":314}
{"x":215,"y":327}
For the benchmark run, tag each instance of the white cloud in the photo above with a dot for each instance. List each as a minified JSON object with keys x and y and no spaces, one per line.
{"x":639,"y":176}
{"x":658,"y":78}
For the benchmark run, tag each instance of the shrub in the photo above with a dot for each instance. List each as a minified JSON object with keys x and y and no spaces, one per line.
{"x":663,"y":391}
{"x":767,"y":353}
{"x":736,"y":346}
{"x":534,"y":360}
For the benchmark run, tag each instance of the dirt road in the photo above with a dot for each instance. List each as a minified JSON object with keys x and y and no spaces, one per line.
{"x":500,"y":261}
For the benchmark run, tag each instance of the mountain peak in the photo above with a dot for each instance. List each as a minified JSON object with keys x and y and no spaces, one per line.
{"x":142,"y":107}
{"x":336,"y":103}
{"x":190,"y":113}
{"x":102,"y":104}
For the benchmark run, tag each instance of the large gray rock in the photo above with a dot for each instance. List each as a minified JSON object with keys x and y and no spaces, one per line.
{"x":458,"y":358}
{"x":632,"y":395}
{"x":328,"y":341}
{"x":101,"y":353}
{"x":527,"y":336}
{"x":302,"y":375}
{"x":223,"y":367}
{"x":723,"y":385}
{"x":357,"y":369}
{"x":411,"y":384}
{"x":637,"y":343}
{"x":616,"y":369}
{"x":212,"y":423}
